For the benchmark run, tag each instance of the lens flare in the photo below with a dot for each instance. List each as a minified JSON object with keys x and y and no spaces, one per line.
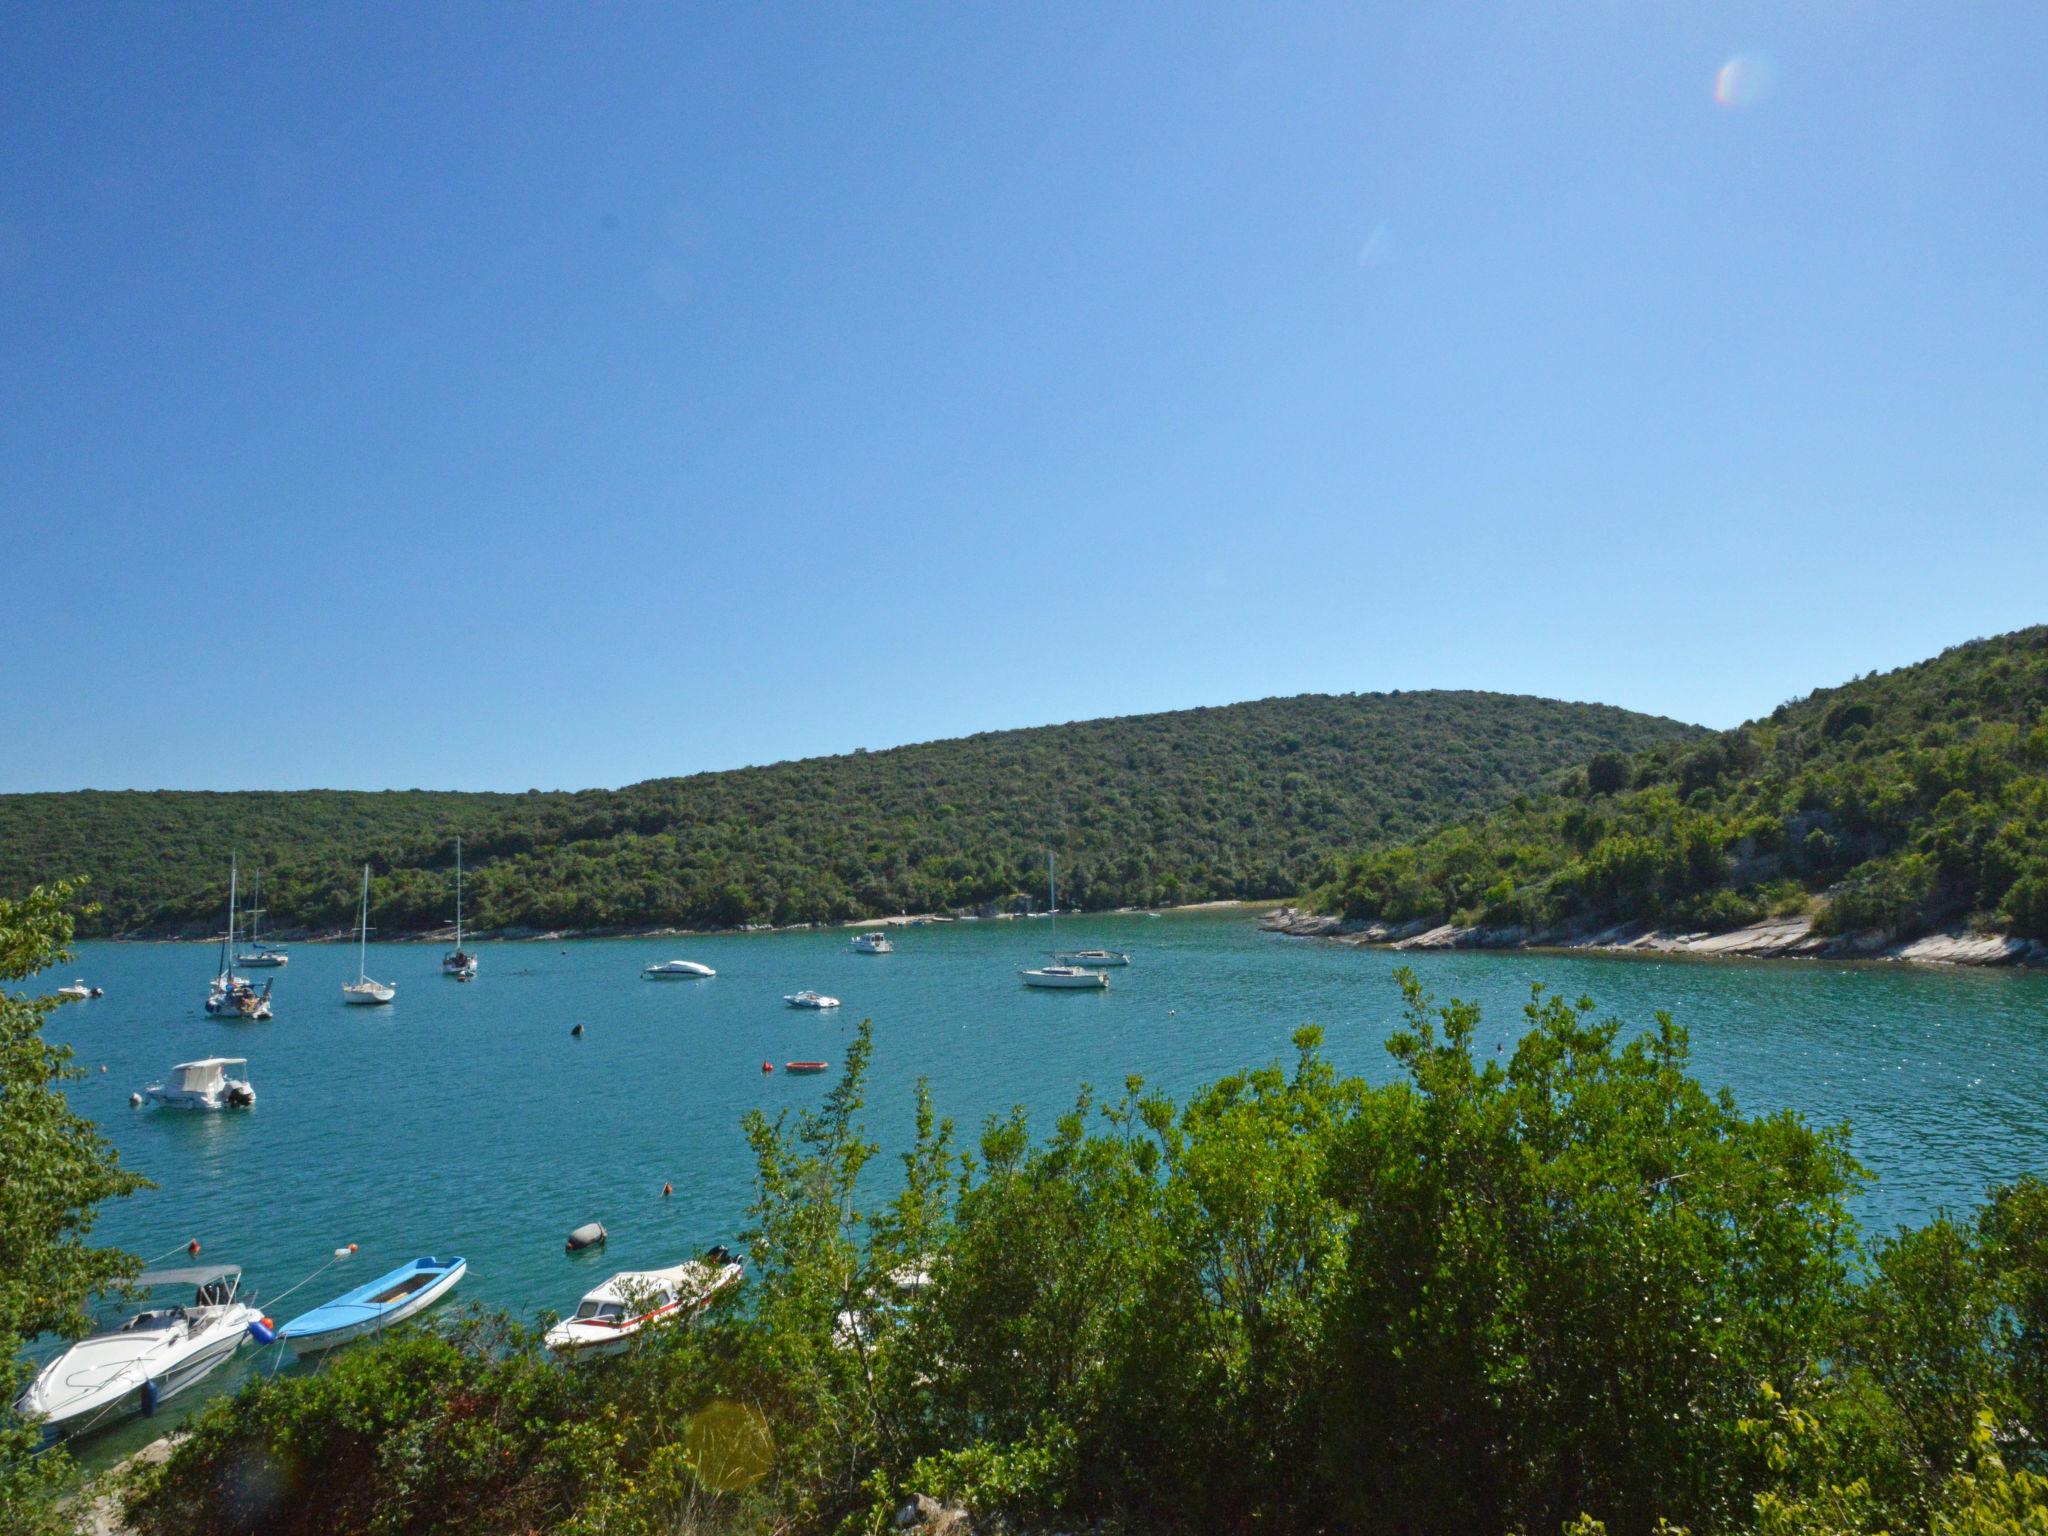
{"x":1742,"y":81}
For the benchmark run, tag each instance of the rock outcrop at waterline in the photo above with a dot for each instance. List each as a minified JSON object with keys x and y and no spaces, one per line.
{"x":1773,"y":939}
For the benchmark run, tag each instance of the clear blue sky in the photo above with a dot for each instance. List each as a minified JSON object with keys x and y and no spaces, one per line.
{"x":500,"y":396}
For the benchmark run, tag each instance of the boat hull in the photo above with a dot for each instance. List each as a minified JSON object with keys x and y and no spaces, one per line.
{"x":75,"y":1391}
{"x":1054,"y":981}
{"x":318,"y":1339}
{"x":368,"y":997}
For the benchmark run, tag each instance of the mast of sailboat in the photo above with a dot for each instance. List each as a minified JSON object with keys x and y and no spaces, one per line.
{"x":1052,"y":906}
{"x":227,"y":942}
{"x":458,"y":895}
{"x":363,"y":940}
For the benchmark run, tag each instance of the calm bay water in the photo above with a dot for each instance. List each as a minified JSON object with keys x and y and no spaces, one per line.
{"x":465,"y":1118}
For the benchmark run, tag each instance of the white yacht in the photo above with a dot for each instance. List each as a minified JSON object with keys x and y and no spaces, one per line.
{"x":676,"y":970}
{"x":1060,"y":975}
{"x":1098,"y":958}
{"x":152,"y":1356}
{"x":608,"y":1317}
{"x":873,"y":942}
{"x":366,"y":989}
{"x":809,"y":999}
{"x":229,"y":995}
{"x":460,"y":963}
{"x":203,"y":1084}
{"x":260,"y":955}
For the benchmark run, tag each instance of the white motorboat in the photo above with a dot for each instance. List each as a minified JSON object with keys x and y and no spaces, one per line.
{"x":1060,"y":975}
{"x":78,"y":991}
{"x":809,"y":999}
{"x":365,"y":988}
{"x":1098,"y":958}
{"x":874,"y":942}
{"x":676,"y":970}
{"x":203,"y":1084}
{"x":229,"y":995}
{"x":259,"y":954}
{"x":460,"y":963}
{"x":154,"y":1355}
{"x":607,"y":1318}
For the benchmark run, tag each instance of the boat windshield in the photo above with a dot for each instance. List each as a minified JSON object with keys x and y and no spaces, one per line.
{"x":600,"y":1312}
{"x":143,"y":1322}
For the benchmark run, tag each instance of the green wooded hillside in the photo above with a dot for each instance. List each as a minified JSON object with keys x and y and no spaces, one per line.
{"x":1893,"y":804}
{"x":1247,"y":800}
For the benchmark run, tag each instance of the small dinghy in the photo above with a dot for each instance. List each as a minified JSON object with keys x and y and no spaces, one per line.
{"x":590,"y":1235}
{"x":809,"y":999}
{"x":607,"y":1318}
{"x":405,"y":1292}
{"x":806,"y":1066}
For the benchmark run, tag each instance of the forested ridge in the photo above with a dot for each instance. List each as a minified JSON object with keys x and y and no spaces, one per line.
{"x":1244,"y":800}
{"x":1891,"y":805}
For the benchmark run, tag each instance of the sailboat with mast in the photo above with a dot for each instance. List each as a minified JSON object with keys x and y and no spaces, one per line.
{"x":259,"y":954}
{"x":229,"y":995}
{"x":1059,"y":975}
{"x":365,"y":988}
{"x":461,"y":964}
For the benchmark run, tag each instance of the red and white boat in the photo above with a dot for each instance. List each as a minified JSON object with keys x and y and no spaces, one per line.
{"x":806,"y":1066}
{"x":606,"y":1320}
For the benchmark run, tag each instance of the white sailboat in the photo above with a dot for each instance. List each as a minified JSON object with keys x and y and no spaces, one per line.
{"x":229,"y":995}
{"x":365,"y":989}
{"x":259,"y":954}
{"x":461,"y":964}
{"x":1058,"y":976}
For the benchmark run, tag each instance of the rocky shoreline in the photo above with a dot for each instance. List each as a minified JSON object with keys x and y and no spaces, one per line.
{"x":1778,"y":938}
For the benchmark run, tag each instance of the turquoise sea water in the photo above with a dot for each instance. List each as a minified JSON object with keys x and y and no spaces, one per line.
{"x":465,"y":1118}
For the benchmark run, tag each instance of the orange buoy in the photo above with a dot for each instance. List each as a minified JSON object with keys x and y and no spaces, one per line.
{"x":767,"y":1066}
{"x":668,"y":1189}
{"x":351,"y":1247}
{"x":193,"y":1246}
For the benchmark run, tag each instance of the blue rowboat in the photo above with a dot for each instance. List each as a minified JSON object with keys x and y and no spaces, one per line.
{"x":411,"y":1288}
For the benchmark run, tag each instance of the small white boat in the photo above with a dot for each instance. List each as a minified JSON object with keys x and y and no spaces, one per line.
{"x":873,"y":943}
{"x":228,"y":994}
{"x":389,"y":1299}
{"x":809,"y":999}
{"x":607,"y":1318}
{"x":1061,"y":976}
{"x":203,"y":1084}
{"x":460,"y":964}
{"x":1093,"y":957}
{"x":366,"y":989}
{"x":78,"y":991}
{"x":1067,"y":977}
{"x":152,"y":1356}
{"x":260,"y":955}
{"x":676,"y":970}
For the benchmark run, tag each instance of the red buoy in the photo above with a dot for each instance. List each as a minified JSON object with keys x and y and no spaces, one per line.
{"x":193,"y":1246}
{"x":668,"y":1189}
{"x":767,"y":1066}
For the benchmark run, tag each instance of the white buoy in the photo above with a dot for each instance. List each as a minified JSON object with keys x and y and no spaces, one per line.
{"x":135,"y":1101}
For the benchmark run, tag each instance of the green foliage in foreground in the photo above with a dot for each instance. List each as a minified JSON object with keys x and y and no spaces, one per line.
{"x":1892,"y":804}
{"x":1564,"y":1287}
{"x":1243,"y":801}
{"x":55,"y":1172}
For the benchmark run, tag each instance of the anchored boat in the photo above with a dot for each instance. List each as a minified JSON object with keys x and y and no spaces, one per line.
{"x":391,"y":1298}
{"x":809,"y":999}
{"x":1060,"y":975}
{"x":607,"y":1319}
{"x":203,"y":1084}
{"x":365,"y":988}
{"x":154,"y":1355}
{"x":676,"y":970}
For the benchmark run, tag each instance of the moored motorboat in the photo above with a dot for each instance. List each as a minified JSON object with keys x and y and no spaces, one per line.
{"x":873,"y":943}
{"x":154,"y":1355}
{"x":1096,"y":958}
{"x":676,"y":970}
{"x":389,"y":1299}
{"x":608,"y":1318}
{"x":203,"y":1084}
{"x":78,"y":991}
{"x":809,"y":999}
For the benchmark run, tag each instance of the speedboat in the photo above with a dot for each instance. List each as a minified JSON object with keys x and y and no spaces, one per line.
{"x":676,"y":970}
{"x":1093,"y":957}
{"x":607,"y":1318}
{"x":875,"y":943}
{"x":1070,"y":977}
{"x":809,"y":999}
{"x":78,"y":991}
{"x":366,"y":989}
{"x":203,"y":1085}
{"x":406,"y":1291}
{"x":154,"y":1355}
